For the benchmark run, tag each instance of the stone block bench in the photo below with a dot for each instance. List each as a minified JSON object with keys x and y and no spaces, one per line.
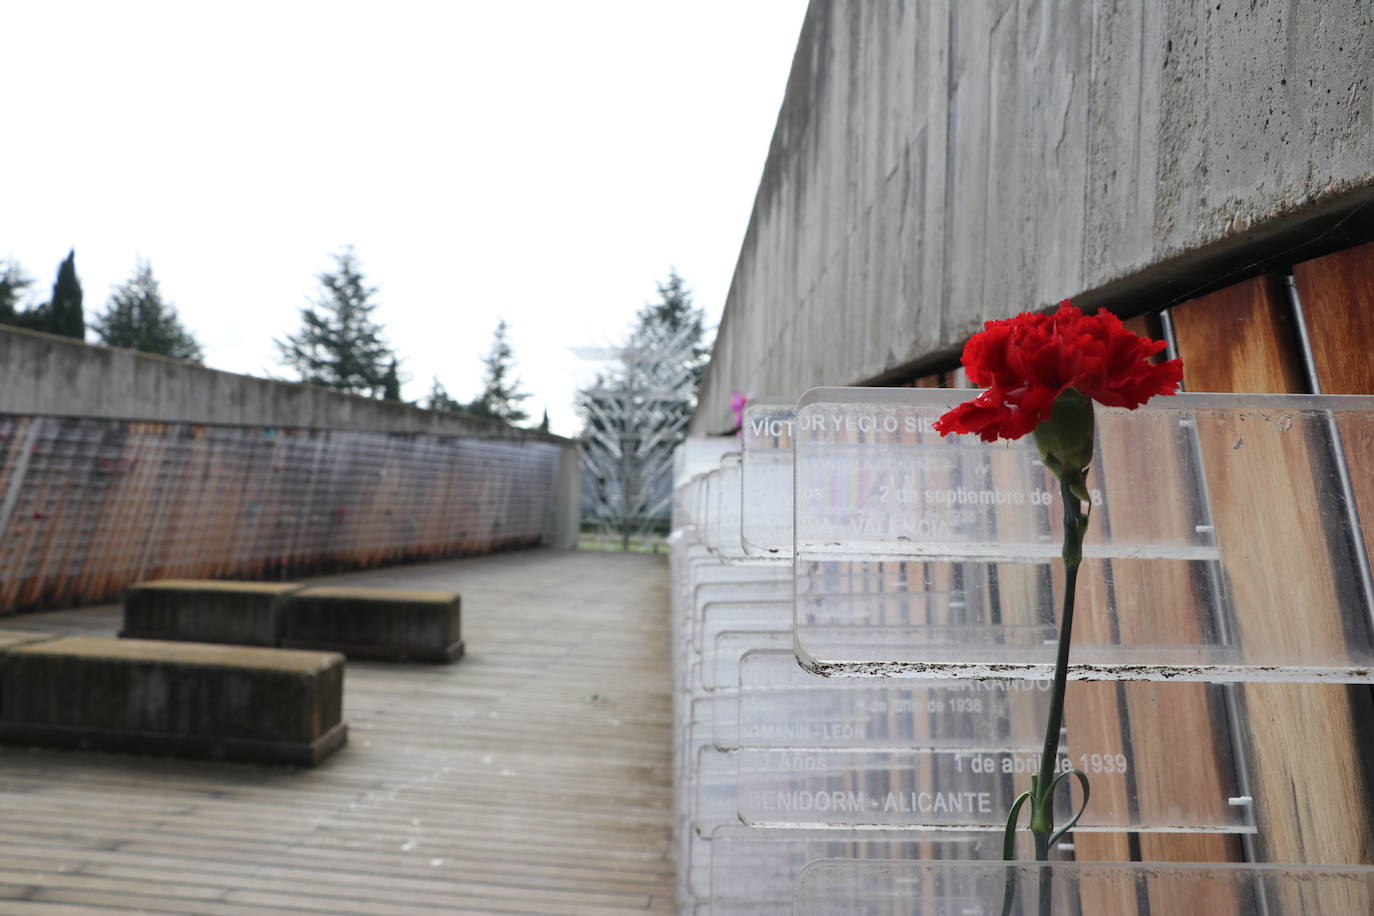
{"x":12,"y":639}
{"x":195,"y":610}
{"x":374,"y":623}
{"x":173,"y":698}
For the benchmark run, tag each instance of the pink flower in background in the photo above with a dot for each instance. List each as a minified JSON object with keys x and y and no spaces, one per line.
{"x":737,"y":404}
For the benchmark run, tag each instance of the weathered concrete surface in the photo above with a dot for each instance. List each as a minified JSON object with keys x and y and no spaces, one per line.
{"x":939,"y":163}
{"x":565,"y":511}
{"x":47,"y":375}
{"x":531,"y":778}
{"x":182,"y":699}
{"x":396,"y":624}
{"x":44,"y":374}
{"x":197,"y":610}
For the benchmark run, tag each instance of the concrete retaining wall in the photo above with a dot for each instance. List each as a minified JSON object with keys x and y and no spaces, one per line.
{"x":43,"y":375}
{"x":47,"y":375}
{"x":938,"y":163}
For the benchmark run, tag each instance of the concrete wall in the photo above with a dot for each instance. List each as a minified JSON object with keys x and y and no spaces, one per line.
{"x":937,"y":163}
{"x":42,"y":374}
{"x":45,"y":375}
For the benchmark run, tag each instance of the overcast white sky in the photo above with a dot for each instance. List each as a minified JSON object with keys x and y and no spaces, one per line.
{"x":545,"y":162}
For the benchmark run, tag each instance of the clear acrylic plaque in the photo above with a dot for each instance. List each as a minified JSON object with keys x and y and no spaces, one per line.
{"x":894,"y":754}
{"x":781,"y":705}
{"x":698,"y":455}
{"x":721,"y":663}
{"x":715,"y":802}
{"x":743,"y":584}
{"x":755,"y":866}
{"x":757,"y":616}
{"x":713,"y":572}
{"x":730,"y":483}
{"x":1224,"y":543}
{"x":978,"y":888}
{"x":710,"y":511}
{"x":766,"y":526}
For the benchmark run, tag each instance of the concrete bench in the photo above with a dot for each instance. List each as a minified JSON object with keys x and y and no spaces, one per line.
{"x":374,"y":623}
{"x":195,"y":610}
{"x":173,"y":698}
{"x":10,"y":639}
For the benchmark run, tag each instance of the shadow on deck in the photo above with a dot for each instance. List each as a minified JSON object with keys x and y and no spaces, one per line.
{"x":532,"y":777}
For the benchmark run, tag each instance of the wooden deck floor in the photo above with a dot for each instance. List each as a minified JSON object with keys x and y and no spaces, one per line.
{"x":532,"y":777}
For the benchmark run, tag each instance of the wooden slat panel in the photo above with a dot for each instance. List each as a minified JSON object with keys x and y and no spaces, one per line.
{"x":1312,"y":793}
{"x":1194,"y":773}
{"x":1145,"y":718}
{"x":1338,"y":301}
{"x":1337,"y":294}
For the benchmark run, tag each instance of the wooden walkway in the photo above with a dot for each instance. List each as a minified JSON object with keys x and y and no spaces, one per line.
{"x":532,"y":777}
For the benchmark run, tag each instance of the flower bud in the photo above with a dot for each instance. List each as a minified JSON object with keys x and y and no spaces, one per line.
{"x":1065,"y":438}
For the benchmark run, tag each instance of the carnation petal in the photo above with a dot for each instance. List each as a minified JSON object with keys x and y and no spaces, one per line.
{"x":1027,"y":361}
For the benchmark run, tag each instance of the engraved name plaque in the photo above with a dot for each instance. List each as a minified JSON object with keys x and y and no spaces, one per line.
{"x":1215,"y":519}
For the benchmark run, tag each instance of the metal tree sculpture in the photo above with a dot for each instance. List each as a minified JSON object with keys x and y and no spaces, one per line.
{"x":637,"y":412}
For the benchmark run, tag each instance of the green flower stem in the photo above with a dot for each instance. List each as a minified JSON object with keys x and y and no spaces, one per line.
{"x":1072,"y":484}
{"x":1042,"y":814}
{"x":1065,"y":443}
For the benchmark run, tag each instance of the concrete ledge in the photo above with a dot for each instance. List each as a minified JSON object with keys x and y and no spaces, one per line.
{"x":196,"y":610}
{"x":185,"y":699}
{"x":12,"y":639}
{"x":85,"y":738}
{"x":375,"y":623}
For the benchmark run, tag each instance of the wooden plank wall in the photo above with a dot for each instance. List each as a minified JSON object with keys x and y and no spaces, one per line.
{"x":1309,"y":748}
{"x":88,"y":506}
{"x":1309,"y":744}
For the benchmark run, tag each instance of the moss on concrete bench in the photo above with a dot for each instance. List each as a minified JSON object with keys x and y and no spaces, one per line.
{"x":375,"y":623}
{"x":173,"y":698}
{"x":197,"y":610}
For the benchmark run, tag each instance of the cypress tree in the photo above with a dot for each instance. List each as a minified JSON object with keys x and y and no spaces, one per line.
{"x":391,"y":383}
{"x":64,"y":315}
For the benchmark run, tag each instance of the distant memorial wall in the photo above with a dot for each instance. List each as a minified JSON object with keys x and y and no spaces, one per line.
{"x":117,"y":467}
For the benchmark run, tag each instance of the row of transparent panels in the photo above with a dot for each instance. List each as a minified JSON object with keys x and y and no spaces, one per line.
{"x":1225,"y":541}
{"x":724,"y":879}
{"x":788,"y":749}
{"x":729,"y":878}
{"x":772,"y":759}
{"x":943,"y":888}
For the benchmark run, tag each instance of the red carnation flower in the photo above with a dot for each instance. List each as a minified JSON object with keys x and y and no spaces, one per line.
{"x":1028,"y":361}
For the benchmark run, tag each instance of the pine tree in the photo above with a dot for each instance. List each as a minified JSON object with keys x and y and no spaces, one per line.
{"x":501,"y":394}
{"x":63,"y":313}
{"x":544,"y":423}
{"x":340,"y":345}
{"x":13,"y":282}
{"x":137,"y":318}
{"x":674,"y":316}
{"x":438,"y":398}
